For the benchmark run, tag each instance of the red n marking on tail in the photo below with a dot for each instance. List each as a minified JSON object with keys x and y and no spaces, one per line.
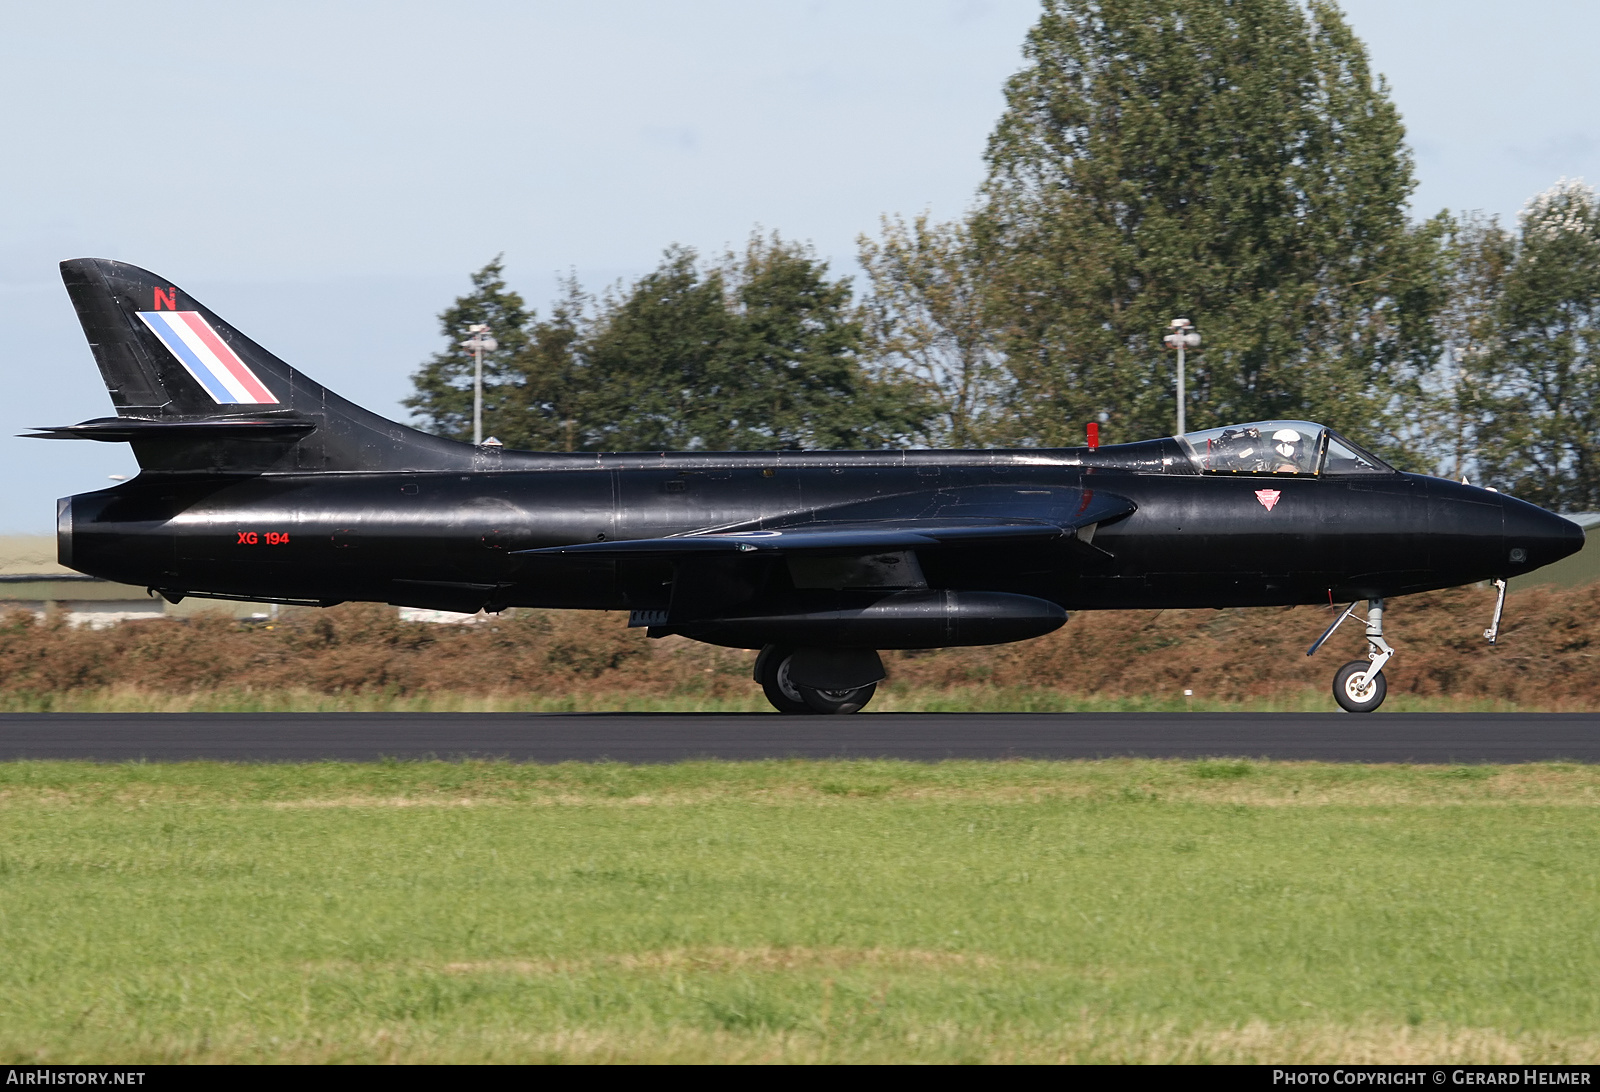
{"x":168,"y":298}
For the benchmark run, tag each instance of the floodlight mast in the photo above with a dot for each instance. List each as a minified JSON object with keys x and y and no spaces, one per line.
{"x":478,"y":342}
{"x":1183,"y":336}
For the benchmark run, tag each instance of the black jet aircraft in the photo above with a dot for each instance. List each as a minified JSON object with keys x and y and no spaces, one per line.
{"x":259,"y":484}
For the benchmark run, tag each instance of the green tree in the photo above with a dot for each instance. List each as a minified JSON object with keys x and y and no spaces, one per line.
{"x":443,"y":398}
{"x":653,"y":355}
{"x":1542,"y":440}
{"x":546,"y":404}
{"x":759,"y":352}
{"x":1464,"y":393}
{"x":1230,"y":161}
{"x":927,"y":317}
{"x":797,"y":357}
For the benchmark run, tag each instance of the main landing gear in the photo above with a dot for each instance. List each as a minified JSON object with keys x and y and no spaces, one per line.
{"x":815,"y":680}
{"x":1359,"y":686}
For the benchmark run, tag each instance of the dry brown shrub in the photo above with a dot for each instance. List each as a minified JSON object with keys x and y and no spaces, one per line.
{"x":1545,"y":655}
{"x":1545,"y":658}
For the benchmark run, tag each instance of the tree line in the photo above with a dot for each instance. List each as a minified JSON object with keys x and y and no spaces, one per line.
{"x":1238,"y":164}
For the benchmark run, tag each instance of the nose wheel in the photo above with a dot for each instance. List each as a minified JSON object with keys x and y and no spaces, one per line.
{"x":1358,"y":689}
{"x":1359,"y":686}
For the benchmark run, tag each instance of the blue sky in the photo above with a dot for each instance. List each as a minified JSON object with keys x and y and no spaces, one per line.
{"x":326,"y":174}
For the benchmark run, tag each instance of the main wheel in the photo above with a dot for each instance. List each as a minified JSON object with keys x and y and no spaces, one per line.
{"x":837,"y":701}
{"x":1351,"y":695}
{"x":772,"y":672}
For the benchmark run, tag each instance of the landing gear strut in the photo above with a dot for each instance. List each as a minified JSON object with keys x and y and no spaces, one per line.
{"x":1359,"y":686}
{"x":774,"y":672}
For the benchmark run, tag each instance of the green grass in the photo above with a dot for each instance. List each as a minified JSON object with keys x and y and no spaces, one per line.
{"x":890,"y":699}
{"x":1125,"y":910}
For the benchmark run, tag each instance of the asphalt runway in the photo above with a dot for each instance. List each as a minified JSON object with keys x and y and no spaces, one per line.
{"x":923,"y":737}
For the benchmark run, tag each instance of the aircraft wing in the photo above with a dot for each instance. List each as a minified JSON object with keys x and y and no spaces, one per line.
{"x":986,"y":515}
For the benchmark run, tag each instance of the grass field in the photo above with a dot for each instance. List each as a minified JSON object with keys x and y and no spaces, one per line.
{"x":806,"y":911}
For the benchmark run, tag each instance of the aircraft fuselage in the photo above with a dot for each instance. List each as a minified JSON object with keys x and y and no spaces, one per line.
{"x":454,"y":540}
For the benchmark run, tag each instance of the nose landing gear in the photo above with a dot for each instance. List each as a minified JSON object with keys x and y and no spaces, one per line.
{"x":1359,"y":686}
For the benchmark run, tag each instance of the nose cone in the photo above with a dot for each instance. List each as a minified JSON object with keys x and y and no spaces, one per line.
{"x":1535,"y":537}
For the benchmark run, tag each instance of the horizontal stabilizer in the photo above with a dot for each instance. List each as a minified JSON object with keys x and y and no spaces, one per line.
{"x":123,"y":429}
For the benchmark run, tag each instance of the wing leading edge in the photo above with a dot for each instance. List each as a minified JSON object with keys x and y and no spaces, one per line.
{"x":979,"y":515}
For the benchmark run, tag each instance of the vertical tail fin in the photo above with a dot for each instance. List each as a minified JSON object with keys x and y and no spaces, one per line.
{"x":194,"y":394}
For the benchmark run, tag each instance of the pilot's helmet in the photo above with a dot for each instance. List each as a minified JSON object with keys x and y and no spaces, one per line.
{"x":1286,"y":442}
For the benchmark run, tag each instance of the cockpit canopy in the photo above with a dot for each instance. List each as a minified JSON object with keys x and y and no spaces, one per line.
{"x":1279,"y":447}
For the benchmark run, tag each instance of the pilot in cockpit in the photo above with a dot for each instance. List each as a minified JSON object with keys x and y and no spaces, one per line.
{"x":1272,"y":447}
{"x":1289,"y":449}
